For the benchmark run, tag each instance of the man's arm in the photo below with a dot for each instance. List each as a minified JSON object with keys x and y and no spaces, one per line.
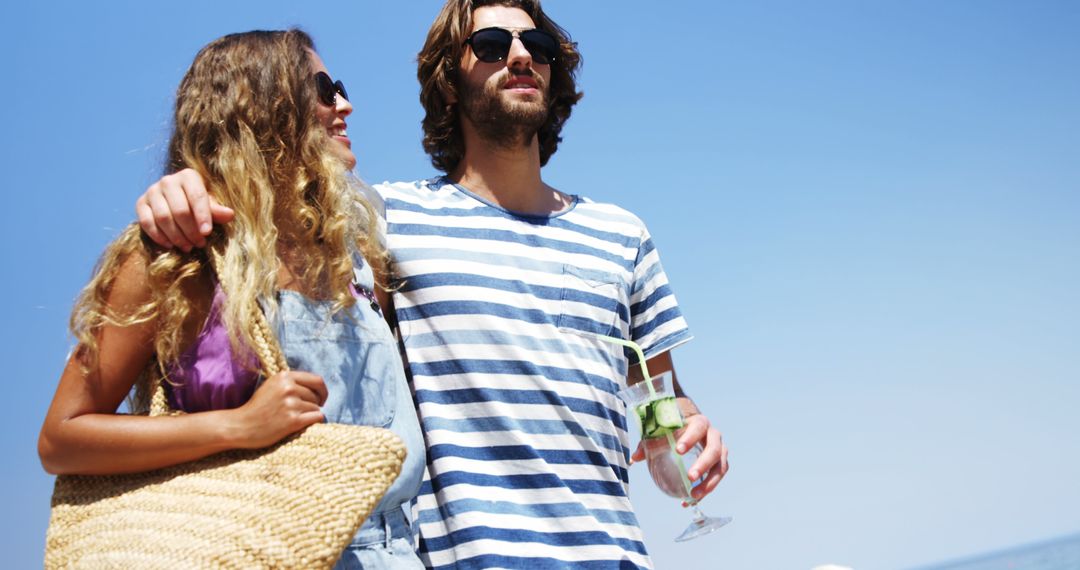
{"x":712,"y":463}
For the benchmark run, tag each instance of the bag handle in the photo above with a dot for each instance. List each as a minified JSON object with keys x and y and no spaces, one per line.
{"x":266,"y":348}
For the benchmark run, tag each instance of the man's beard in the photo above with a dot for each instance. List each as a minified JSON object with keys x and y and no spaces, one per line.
{"x":498,"y":121}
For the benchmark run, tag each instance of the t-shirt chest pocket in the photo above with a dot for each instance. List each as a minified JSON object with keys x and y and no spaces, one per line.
{"x":591,"y":300}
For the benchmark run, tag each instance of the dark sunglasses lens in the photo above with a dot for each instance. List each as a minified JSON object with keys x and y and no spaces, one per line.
{"x":491,"y":45}
{"x":541,"y":45}
{"x":325,"y":87}
{"x":340,"y":87}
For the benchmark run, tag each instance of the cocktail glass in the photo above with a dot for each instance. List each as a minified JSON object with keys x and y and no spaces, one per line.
{"x":666,"y":466}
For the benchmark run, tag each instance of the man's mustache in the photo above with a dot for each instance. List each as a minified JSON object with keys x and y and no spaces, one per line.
{"x":508,"y":74}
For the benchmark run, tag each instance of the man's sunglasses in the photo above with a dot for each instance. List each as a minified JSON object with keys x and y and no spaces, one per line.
{"x":493,"y":44}
{"x":329,"y":89}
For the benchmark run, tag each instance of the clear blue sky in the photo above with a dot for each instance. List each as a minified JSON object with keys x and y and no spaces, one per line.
{"x":870,"y":212}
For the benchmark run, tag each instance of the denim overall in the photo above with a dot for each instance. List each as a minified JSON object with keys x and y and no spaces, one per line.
{"x":358,"y":358}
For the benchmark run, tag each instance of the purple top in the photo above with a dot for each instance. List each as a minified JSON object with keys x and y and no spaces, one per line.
{"x":207,"y":376}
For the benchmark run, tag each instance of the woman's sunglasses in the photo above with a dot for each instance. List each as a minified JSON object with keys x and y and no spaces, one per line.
{"x":493,"y":44}
{"x":329,"y":89}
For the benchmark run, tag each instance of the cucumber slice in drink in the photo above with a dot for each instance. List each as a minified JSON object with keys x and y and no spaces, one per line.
{"x":667,"y":413}
{"x":659,"y":417}
{"x":642,"y":413}
{"x":648,"y":427}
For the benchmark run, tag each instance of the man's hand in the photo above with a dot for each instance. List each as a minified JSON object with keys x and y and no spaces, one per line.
{"x":712,"y":463}
{"x":177,"y":211}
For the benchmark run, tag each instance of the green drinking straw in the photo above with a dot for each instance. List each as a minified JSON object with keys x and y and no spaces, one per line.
{"x":627,"y":343}
{"x":687,"y":484}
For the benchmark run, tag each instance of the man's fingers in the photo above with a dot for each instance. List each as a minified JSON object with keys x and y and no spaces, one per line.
{"x":723,"y":460}
{"x":695,"y":431}
{"x":146,"y":221}
{"x":184,"y":219}
{"x":714,"y":455}
{"x":711,"y":456}
{"x":708,"y":485}
{"x":163,"y":220}
{"x":712,"y":478}
{"x":192,"y":192}
{"x":220,"y":214}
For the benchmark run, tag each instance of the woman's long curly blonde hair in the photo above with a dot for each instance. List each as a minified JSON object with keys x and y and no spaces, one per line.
{"x":245,"y":121}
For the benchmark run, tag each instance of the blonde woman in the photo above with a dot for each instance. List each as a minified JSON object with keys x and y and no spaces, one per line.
{"x":258,"y":115}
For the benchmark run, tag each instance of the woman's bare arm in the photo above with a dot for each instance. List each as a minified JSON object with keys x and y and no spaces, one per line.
{"x":82,"y":432}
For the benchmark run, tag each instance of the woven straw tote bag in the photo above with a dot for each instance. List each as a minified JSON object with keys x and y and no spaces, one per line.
{"x":295,"y":504}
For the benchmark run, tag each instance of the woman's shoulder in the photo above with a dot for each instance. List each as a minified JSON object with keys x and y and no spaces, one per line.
{"x":134,"y":268}
{"x":139,"y":280}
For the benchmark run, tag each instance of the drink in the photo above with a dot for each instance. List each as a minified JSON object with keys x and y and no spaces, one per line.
{"x":651,"y":406}
{"x":665,"y":469}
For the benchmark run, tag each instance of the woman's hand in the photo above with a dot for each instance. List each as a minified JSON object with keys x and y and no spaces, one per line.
{"x":284,"y":404}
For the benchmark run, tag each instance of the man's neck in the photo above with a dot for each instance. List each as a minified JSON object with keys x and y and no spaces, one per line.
{"x":507,"y":176}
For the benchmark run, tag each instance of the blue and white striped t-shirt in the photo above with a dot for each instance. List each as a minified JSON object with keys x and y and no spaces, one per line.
{"x":526,"y":439}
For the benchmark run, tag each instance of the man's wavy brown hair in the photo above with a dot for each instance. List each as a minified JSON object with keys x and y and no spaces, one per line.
{"x":438,"y":75}
{"x":245,"y":121}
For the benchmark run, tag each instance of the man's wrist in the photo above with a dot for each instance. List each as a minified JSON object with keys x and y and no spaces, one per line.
{"x":687,"y":407}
